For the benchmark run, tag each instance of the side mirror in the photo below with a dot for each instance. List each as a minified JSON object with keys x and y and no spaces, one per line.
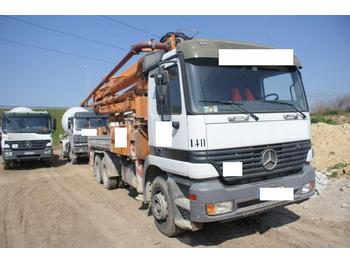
{"x":162,"y":92}
{"x":162,"y":77}
{"x":69,"y":124}
{"x":54,"y":124}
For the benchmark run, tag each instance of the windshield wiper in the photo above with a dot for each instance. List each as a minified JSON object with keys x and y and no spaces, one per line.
{"x":285,"y":103}
{"x":238,"y":105}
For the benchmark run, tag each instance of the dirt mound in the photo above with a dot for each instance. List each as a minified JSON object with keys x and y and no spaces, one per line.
{"x":331,"y":144}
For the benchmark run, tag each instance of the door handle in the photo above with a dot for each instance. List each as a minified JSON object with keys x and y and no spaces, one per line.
{"x":238,"y":118}
{"x":175,"y":124}
{"x":290,"y":116}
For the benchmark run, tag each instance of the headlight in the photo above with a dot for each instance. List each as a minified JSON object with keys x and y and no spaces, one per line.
{"x":6,"y":146}
{"x":310,"y":155}
{"x":47,"y":152}
{"x":219,"y":208}
{"x":308,"y":187}
{"x":49,"y":144}
{"x":8,"y":153}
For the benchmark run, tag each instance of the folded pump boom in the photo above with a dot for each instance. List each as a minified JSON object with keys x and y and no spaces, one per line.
{"x":124,"y":97}
{"x":108,"y":96}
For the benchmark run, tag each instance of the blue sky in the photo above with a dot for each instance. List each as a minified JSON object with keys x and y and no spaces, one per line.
{"x":36,"y":77}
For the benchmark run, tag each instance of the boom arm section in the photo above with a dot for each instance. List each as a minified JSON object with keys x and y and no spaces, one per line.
{"x":103,"y":95}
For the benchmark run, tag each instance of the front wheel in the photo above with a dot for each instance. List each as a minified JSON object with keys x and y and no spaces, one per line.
{"x":6,"y":164}
{"x":162,"y":210}
{"x":46,"y":162}
{"x":73,"y":158}
{"x":62,"y":154}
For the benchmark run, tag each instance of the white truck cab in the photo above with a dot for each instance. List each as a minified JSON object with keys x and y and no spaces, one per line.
{"x":256,"y":116}
{"x":79,"y":123}
{"x":26,"y":136}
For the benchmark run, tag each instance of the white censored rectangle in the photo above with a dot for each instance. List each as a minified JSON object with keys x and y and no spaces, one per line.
{"x":256,"y":57}
{"x":276,"y":194}
{"x":163,"y":134}
{"x":89,"y":132}
{"x":120,"y":137}
{"x":232,"y":169}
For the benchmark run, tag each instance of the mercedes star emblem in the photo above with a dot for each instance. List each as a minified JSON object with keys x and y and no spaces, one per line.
{"x":269,"y":159}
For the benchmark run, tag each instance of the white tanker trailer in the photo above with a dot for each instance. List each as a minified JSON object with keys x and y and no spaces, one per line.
{"x":78,"y":123}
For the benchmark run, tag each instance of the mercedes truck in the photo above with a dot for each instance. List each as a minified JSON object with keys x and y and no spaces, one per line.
{"x":79,"y":123}
{"x":26,"y":136}
{"x":201,"y":142}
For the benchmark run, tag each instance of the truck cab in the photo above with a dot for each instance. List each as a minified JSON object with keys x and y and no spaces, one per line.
{"x":74,"y":145}
{"x":26,"y":136}
{"x":256,"y":116}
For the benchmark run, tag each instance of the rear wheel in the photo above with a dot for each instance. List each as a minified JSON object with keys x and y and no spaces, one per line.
{"x":109,"y":182}
{"x":97,"y":168}
{"x":161,"y":207}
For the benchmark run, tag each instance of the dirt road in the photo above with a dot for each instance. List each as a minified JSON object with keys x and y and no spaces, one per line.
{"x":63,"y":206}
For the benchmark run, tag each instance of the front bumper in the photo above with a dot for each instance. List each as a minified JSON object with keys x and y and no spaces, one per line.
{"x":81,"y":151}
{"x":27,"y":155}
{"x":245,"y":196}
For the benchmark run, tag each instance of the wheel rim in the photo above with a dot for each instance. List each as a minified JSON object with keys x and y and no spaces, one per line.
{"x":159,"y":206}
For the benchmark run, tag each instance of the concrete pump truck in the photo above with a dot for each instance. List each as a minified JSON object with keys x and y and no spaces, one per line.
{"x":177,"y":119}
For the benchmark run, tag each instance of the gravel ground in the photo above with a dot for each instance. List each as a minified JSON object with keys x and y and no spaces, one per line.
{"x":63,"y":206}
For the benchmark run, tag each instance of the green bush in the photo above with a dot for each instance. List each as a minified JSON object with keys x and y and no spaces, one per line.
{"x":322,"y":119}
{"x":339,"y":165}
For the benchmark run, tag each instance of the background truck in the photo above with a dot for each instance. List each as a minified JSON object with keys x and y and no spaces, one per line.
{"x":26,"y":136}
{"x":78,"y":123}
{"x":253,"y":119}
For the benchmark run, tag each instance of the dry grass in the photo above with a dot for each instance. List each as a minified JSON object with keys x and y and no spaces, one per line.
{"x":339,"y":104}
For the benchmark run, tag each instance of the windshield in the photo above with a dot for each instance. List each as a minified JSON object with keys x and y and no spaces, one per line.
{"x":88,"y":123}
{"x":26,"y":124}
{"x":252,"y":87}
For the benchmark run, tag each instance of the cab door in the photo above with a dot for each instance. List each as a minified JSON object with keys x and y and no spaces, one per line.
{"x":175,"y":113}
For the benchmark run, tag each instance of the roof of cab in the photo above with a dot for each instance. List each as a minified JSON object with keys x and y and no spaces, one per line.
{"x":207,"y":48}
{"x":33,"y":113}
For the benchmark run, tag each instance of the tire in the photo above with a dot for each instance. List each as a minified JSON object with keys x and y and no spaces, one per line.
{"x":108,"y":182}
{"x":6,"y":164}
{"x":164,"y":220}
{"x":73,"y":158}
{"x":121,"y":183}
{"x":62,"y":155}
{"x":97,"y":169}
{"x":46,"y":162}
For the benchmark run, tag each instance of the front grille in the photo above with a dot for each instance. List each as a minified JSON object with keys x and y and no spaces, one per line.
{"x":186,"y":214}
{"x":28,"y":144}
{"x":30,"y":156}
{"x":291,"y":158}
{"x":249,"y":203}
{"x":77,"y":139}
